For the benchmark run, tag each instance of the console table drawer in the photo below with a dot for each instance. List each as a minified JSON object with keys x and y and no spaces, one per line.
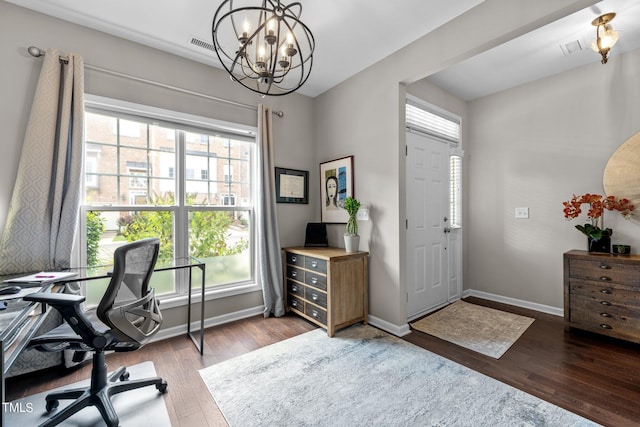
{"x":315,"y":264}
{"x":316,"y":313}
{"x":295,"y":303}
{"x":295,"y":259}
{"x":316,"y":280}
{"x":295,"y":273}
{"x":295,"y":288}
{"x":315,"y":296}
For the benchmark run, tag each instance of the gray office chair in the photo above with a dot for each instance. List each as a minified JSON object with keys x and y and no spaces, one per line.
{"x":128,"y":315}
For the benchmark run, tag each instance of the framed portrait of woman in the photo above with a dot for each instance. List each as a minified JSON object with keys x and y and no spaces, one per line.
{"x":336,"y":184}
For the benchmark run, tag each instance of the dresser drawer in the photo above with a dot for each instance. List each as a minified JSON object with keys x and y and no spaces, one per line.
{"x":606,"y":293}
{"x":295,"y":259}
{"x":605,"y":270}
{"x":295,"y":273}
{"x":315,"y":264}
{"x":611,"y":324}
{"x":295,"y":303}
{"x":316,"y":313}
{"x":603,"y":308}
{"x":316,"y":280}
{"x":315,"y":296}
{"x":295,"y":288}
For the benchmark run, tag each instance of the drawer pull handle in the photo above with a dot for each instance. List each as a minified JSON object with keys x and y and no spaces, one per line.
{"x":294,"y":288}
{"x":605,"y":291}
{"x":294,"y":259}
{"x":314,"y":313}
{"x":605,"y":326}
{"x":314,"y":280}
{"x":294,"y":303}
{"x":314,"y":264}
{"x":605,"y":279}
{"x":605,"y":266}
{"x":294,"y":273}
{"x":314,"y":297}
{"x":605,"y":315}
{"x":606,"y":303}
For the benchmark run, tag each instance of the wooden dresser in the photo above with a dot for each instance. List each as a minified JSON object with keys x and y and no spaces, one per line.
{"x":602,"y":294}
{"x":327,"y":286}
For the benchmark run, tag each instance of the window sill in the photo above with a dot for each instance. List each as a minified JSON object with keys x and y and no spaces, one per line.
{"x":172,"y":301}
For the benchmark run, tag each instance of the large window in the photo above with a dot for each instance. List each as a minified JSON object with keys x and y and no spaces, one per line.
{"x":187,"y":180}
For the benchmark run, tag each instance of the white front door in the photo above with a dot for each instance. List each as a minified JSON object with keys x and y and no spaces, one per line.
{"x":431,"y":281}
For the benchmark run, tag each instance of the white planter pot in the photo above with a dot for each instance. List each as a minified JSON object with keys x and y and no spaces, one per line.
{"x":351,"y":243}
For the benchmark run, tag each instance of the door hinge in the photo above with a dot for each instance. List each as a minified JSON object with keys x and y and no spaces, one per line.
{"x":406,"y":150}
{"x":406,"y":224}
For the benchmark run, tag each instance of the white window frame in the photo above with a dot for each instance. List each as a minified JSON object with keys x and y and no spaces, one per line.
{"x":181,"y":250}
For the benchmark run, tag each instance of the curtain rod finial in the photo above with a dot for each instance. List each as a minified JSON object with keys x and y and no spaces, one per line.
{"x":35,"y":51}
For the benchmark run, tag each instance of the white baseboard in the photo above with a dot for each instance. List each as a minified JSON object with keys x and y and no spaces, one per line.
{"x":397,"y":330}
{"x":512,"y":301}
{"x":211,"y":321}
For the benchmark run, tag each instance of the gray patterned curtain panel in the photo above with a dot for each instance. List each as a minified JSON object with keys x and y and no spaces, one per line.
{"x":270,"y":263}
{"x":43,"y":214}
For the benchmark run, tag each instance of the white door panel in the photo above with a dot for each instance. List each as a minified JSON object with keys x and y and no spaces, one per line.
{"x":429,"y":263}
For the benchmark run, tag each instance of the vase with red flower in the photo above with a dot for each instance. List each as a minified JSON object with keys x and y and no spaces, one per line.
{"x":598,"y":237}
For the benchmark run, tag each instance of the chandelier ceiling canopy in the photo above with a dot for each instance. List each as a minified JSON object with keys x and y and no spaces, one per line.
{"x":265,"y":46}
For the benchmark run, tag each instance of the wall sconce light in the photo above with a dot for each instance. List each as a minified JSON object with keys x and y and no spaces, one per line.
{"x":606,"y":37}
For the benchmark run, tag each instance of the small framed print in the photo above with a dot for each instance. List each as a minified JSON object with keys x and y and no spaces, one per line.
{"x":292,"y":186}
{"x":336,"y":184}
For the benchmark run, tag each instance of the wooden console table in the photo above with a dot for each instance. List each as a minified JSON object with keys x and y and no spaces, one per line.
{"x":602,"y":294}
{"x":327,"y":286}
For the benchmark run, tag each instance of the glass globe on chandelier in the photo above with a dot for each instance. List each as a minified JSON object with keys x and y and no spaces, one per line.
{"x":265,"y":48}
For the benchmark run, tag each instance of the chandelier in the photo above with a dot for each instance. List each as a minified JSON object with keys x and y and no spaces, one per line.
{"x":264,"y":47}
{"x":606,"y":37}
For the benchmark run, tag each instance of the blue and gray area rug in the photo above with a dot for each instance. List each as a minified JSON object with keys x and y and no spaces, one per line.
{"x":365,"y":377}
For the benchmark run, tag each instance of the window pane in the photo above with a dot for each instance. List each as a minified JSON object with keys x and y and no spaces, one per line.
{"x":107,"y":230}
{"x":99,"y":128}
{"x":221,"y":240}
{"x":455,"y":191}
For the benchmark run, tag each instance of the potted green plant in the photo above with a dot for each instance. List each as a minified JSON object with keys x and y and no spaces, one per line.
{"x":351,"y":237}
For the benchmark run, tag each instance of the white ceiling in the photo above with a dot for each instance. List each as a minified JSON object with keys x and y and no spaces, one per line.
{"x":540,"y":53}
{"x":377,"y":31}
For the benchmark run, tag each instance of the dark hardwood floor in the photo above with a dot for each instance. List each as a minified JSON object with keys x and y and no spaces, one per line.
{"x":592,"y":376}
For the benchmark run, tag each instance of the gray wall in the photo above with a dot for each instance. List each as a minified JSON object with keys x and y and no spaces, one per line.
{"x":20,"y":28}
{"x":364,"y":116}
{"x":536,"y":145}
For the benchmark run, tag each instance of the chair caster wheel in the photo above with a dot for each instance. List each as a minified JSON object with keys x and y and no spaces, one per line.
{"x":162,"y":387}
{"x":124,"y":376}
{"x":51,"y":405}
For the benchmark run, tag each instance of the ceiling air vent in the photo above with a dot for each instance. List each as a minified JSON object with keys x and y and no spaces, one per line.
{"x":197,"y":41}
{"x":571,"y":47}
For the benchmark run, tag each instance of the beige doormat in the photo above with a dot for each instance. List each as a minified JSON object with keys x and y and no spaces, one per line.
{"x":485,"y":330}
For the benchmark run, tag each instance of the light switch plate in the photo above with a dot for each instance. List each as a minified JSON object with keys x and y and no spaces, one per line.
{"x":522,"y":213}
{"x":363,"y":214}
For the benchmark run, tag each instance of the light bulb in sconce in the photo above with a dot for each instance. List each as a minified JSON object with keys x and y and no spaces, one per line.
{"x":606,"y":37}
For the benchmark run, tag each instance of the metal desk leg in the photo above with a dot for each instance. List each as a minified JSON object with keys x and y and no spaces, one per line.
{"x":199,"y":345}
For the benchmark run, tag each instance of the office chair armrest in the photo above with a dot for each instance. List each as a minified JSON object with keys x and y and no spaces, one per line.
{"x":55,"y":299}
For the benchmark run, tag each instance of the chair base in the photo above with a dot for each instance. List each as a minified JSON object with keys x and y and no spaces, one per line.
{"x":98,"y":394}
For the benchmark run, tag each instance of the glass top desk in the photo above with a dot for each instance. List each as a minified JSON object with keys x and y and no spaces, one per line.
{"x":20,"y":320}
{"x":181,"y":263}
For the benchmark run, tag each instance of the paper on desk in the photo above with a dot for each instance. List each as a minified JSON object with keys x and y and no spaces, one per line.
{"x":42,"y":277}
